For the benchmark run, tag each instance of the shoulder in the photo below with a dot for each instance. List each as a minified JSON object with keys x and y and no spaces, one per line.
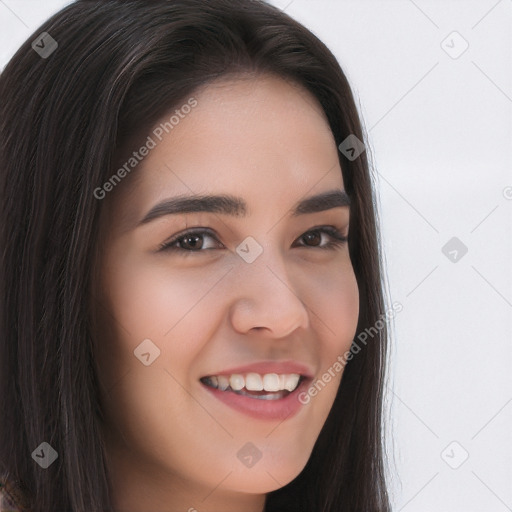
{"x":11,"y":497}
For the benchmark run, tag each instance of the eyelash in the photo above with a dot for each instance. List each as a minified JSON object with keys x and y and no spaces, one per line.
{"x":339,"y":239}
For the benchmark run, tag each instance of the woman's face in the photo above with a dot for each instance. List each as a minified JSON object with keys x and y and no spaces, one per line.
{"x":261,"y":293}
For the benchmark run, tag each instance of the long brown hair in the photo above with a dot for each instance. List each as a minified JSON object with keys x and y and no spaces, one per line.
{"x":118,"y":66}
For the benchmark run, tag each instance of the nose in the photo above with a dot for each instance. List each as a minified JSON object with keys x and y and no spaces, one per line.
{"x":267,"y":300}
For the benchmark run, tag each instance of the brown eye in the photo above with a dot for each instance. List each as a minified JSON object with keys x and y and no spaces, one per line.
{"x":313,"y":238}
{"x":191,"y":242}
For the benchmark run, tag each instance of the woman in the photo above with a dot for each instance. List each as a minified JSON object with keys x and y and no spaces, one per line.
{"x":181,"y":292}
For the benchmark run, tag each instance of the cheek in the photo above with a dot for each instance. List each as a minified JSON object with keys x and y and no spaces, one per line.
{"x":144,"y":402}
{"x":335,"y":303}
{"x":334,"y":299}
{"x":151,"y":300}
{"x":142,"y":302}
{"x":343,"y":304}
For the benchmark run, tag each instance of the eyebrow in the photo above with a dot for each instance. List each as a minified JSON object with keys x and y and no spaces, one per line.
{"x":237,"y":207}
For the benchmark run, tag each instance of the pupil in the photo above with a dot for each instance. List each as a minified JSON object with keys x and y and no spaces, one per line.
{"x":193,"y":244}
{"x":313,"y":237}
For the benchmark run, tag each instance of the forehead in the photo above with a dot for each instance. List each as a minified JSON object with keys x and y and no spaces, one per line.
{"x":258,"y":137}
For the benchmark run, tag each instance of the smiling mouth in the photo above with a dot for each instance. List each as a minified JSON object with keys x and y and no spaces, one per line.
{"x":270,"y":386}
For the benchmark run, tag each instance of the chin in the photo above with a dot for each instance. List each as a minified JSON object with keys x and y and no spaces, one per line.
{"x":265,"y":478}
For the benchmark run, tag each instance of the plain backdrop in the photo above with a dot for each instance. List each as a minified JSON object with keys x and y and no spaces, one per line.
{"x":433,"y":82}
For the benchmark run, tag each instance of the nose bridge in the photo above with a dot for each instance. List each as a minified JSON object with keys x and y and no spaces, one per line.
{"x":266,"y":295}
{"x":262,"y":261}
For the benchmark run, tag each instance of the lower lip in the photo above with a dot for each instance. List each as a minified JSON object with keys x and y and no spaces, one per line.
{"x":281,"y":409}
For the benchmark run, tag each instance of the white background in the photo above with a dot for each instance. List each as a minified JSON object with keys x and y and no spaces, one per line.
{"x":440,"y":138}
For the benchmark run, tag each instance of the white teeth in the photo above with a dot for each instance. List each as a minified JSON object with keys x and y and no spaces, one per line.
{"x":291,"y":381}
{"x":236,"y":382}
{"x":223,"y":382}
{"x":253,"y":382}
{"x":271,"y":382}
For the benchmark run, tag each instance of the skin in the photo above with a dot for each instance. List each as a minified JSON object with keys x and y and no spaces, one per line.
{"x":171,"y":446}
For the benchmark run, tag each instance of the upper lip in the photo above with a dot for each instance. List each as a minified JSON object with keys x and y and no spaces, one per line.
{"x":264,"y":367}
